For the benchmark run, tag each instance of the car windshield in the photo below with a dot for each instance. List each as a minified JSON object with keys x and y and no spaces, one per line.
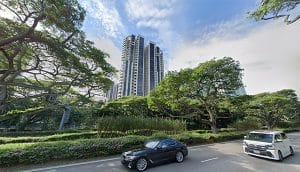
{"x":261,"y":137}
{"x":151,"y":144}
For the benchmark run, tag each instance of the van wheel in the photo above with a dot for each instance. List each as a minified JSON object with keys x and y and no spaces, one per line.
{"x":291,"y":151}
{"x":280,"y":157}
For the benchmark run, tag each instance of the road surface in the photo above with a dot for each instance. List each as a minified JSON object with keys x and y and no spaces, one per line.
{"x":219,"y":157}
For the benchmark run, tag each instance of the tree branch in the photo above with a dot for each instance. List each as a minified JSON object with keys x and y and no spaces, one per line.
{"x":23,"y":35}
{"x":287,"y":21}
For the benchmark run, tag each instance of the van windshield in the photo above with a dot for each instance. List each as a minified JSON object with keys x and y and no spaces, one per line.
{"x":261,"y":137}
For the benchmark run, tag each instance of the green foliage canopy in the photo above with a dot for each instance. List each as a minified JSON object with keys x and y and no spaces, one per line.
{"x":271,"y":108}
{"x":200,"y":89}
{"x":44,"y":54}
{"x":131,"y":105}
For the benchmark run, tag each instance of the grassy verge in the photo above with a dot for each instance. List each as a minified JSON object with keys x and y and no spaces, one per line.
{"x":56,"y":137}
{"x":37,"y":133}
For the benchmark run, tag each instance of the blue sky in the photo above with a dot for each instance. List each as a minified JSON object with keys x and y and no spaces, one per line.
{"x":193,"y":31}
{"x":177,"y":16}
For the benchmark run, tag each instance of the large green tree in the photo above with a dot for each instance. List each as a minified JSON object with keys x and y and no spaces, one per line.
{"x":130,"y":105}
{"x":199,"y":91}
{"x":44,"y":54}
{"x":213,"y":80}
{"x":272,"y":108}
{"x":273,"y":9}
{"x":168,"y":99}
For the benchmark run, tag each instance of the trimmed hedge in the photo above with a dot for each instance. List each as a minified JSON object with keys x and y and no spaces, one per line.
{"x":57,"y":137}
{"x":29,"y":153}
{"x":191,"y":138}
{"x":76,"y":136}
{"x":289,"y":130}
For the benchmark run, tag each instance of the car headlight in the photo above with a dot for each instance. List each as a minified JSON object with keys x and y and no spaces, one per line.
{"x":129,"y":157}
{"x":270,"y":147}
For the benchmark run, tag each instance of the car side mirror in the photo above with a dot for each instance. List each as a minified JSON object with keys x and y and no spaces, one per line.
{"x":157,"y":148}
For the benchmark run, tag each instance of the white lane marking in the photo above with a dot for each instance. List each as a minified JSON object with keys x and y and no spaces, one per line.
{"x":51,"y":171}
{"x":70,"y":165}
{"x":101,"y":165}
{"x":209,"y":159}
{"x":111,"y":164}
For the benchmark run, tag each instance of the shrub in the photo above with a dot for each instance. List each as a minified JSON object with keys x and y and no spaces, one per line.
{"x":56,"y":137}
{"x":289,"y":130}
{"x":248,"y":123}
{"x":159,"y":135}
{"x":288,"y":124}
{"x":203,"y":131}
{"x":142,"y":132}
{"x":28,"y":153}
{"x":125,"y":123}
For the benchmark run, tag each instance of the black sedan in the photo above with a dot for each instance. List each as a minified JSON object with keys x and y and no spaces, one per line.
{"x":154,"y":152}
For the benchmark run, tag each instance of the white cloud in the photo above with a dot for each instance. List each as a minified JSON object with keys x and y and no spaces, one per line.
{"x":270,"y":55}
{"x":148,"y":12}
{"x":106,"y":15}
{"x":156,"y":15}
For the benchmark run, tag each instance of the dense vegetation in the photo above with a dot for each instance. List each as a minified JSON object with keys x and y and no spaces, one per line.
{"x":47,"y":66}
{"x":125,"y":123}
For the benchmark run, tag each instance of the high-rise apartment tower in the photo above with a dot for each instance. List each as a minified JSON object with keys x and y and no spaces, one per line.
{"x":142,"y":68}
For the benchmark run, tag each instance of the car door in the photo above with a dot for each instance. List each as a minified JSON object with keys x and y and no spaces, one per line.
{"x":159,"y":153}
{"x":279,"y":145}
{"x":171,"y":149}
{"x":286,"y":143}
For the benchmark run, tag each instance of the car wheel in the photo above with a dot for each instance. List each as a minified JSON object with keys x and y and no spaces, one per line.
{"x":141,"y":164}
{"x":291,"y":151}
{"x":179,"y":157}
{"x":280,"y":157}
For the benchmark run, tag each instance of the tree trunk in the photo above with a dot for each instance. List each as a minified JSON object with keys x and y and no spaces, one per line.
{"x":212,"y":120}
{"x":3,"y":94}
{"x":268,"y":123}
{"x":65,"y":117}
{"x":21,"y":125}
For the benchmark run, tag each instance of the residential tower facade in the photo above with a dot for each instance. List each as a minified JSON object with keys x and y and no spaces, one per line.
{"x":142,"y":67}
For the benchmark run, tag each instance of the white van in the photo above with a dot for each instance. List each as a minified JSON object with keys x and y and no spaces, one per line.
{"x":268,"y":144}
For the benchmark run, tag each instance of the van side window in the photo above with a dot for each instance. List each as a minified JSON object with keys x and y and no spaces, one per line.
{"x":278,"y":137}
{"x":283,"y":136}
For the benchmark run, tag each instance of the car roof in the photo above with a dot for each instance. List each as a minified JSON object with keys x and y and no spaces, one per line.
{"x":266,"y":132}
{"x":159,"y":140}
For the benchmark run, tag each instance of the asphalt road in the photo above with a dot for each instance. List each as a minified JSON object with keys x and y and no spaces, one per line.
{"x":219,"y":157}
